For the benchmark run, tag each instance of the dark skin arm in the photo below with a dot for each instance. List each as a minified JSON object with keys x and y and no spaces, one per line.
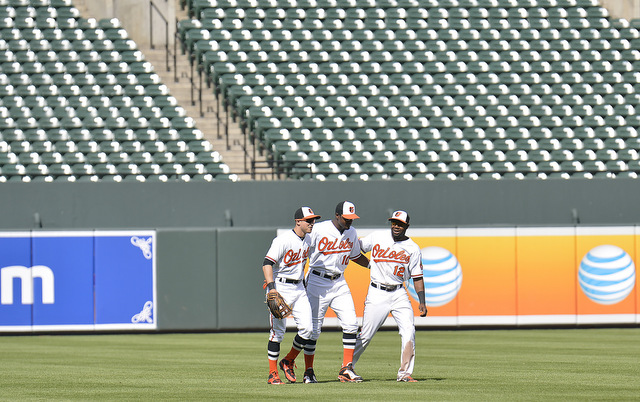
{"x":418,"y":284}
{"x":362,"y":260}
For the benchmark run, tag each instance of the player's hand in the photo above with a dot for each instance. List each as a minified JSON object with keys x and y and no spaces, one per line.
{"x":423,"y":310}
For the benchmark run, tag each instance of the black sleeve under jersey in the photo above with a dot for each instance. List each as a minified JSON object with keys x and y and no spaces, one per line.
{"x":268,"y":262}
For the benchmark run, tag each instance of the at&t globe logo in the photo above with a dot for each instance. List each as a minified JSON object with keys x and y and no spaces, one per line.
{"x":607,"y":274}
{"x":442,"y":276}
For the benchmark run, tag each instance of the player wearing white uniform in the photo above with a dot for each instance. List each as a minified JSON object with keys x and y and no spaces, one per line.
{"x":394,"y":259}
{"x":333,"y":244}
{"x":283,"y":270}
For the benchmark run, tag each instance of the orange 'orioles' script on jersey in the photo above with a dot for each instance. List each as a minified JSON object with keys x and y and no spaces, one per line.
{"x":392,"y":262}
{"x":292,"y":258}
{"x":387,"y":255}
{"x":327,"y":246}
{"x":289,"y":254}
{"x":331,"y":250}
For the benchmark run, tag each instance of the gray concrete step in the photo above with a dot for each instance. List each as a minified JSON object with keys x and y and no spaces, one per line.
{"x":236,"y":151}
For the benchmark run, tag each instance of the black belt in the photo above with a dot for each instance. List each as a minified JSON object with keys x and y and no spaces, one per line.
{"x":332,"y":277}
{"x":388,"y":288}
{"x":287,"y":280}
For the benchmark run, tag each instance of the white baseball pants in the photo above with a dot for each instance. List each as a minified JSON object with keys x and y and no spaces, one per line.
{"x":378,"y":305}
{"x":296,"y":297}
{"x":324,"y":293}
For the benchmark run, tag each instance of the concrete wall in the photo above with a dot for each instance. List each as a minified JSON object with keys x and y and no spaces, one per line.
{"x":271,"y":204}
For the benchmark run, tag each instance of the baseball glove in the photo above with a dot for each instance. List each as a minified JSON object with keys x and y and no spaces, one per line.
{"x":278,"y":307}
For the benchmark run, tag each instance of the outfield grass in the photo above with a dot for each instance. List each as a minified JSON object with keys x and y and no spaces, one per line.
{"x":585,"y":364}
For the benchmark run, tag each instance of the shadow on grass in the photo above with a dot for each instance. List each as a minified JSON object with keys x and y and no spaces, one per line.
{"x":417,"y":378}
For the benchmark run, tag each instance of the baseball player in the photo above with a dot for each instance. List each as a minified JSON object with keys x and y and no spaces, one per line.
{"x":394,"y":259}
{"x":283,"y":270}
{"x":333,"y":244}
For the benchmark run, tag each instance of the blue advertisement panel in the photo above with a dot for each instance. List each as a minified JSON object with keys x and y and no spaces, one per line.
{"x":62,"y":268}
{"x":66,"y":281}
{"x":124,"y":286}
{"x":15,"y":260}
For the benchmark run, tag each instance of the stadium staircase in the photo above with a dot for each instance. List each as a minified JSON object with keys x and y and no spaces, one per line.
{"x":200,"y":102}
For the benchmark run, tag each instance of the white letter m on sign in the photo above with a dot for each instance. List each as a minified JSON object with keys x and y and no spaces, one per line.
{"x":26,"y":276}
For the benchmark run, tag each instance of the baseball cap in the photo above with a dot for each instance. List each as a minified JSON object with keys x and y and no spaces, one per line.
{"x":401,"y":216}
{"x":304,"y":213}
{"x":347,"y":210}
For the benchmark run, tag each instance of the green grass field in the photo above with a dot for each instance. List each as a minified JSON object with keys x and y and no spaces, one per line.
{"x":584,"y":364}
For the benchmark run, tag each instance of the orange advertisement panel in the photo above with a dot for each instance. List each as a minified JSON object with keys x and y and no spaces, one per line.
{"x":521,"y":276}
{"x":487,"y":257}
{"x":433,"y":244}
{"x":358,"y":279}
{"x":606,"y":273}
{"x":637,"y":288}
{"x":546,"y":273}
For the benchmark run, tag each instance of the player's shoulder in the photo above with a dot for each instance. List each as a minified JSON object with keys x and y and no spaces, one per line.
{"x":410,"y":243}
{"x":381,"y":234}
{"x":350,"y":233}
{"x":284,"y":236}
{"x":322,"y":225}
{"x":320,"y":229}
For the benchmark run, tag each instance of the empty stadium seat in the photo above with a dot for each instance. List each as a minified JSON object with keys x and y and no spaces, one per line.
{"x":540,"y":76}
{"x":61,"y":78}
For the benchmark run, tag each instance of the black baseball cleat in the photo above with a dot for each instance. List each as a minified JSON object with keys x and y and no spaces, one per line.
{"x":287,"y":367}
{"x":274,"y":378}
{"x":309,"y":377}
{"x":347,"y":374}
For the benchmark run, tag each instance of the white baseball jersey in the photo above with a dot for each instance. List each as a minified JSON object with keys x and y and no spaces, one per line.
{"x":392,"y":262}
{"x":331,"y":250}
{"x":289,"y":254}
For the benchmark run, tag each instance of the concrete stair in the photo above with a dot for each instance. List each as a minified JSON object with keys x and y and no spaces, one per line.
{"x":237,"y":152}
{"x":208,"y":114}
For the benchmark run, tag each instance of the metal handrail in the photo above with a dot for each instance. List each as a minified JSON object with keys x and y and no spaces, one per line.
{"x":152,"y":7}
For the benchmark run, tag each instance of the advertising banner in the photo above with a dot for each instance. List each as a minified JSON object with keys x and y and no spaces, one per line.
{"x":66,"y":281}
{"x":519,"y":276}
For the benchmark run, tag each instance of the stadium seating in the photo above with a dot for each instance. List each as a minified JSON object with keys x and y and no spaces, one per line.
{"x":478,"y":88}
{"x":79,"y":102}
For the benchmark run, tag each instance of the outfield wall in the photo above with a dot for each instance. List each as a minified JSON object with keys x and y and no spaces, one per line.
{"x":442,"y":203}
{"x":211,"y":279}
{"x":519,"y":244}
{"x":517,"y":276}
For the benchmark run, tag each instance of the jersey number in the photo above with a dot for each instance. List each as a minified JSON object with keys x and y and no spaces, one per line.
{"x":345,"y":260}
{"x":398,"y":271}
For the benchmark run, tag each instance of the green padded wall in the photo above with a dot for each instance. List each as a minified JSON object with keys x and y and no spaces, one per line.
{"x":186,"y":279}
{"x":240,"y":256}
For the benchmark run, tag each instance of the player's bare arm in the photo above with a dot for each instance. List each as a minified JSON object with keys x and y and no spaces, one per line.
{"x":418,"y":283}
{"x":267,"y":270}
{"x":362,"y":260}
